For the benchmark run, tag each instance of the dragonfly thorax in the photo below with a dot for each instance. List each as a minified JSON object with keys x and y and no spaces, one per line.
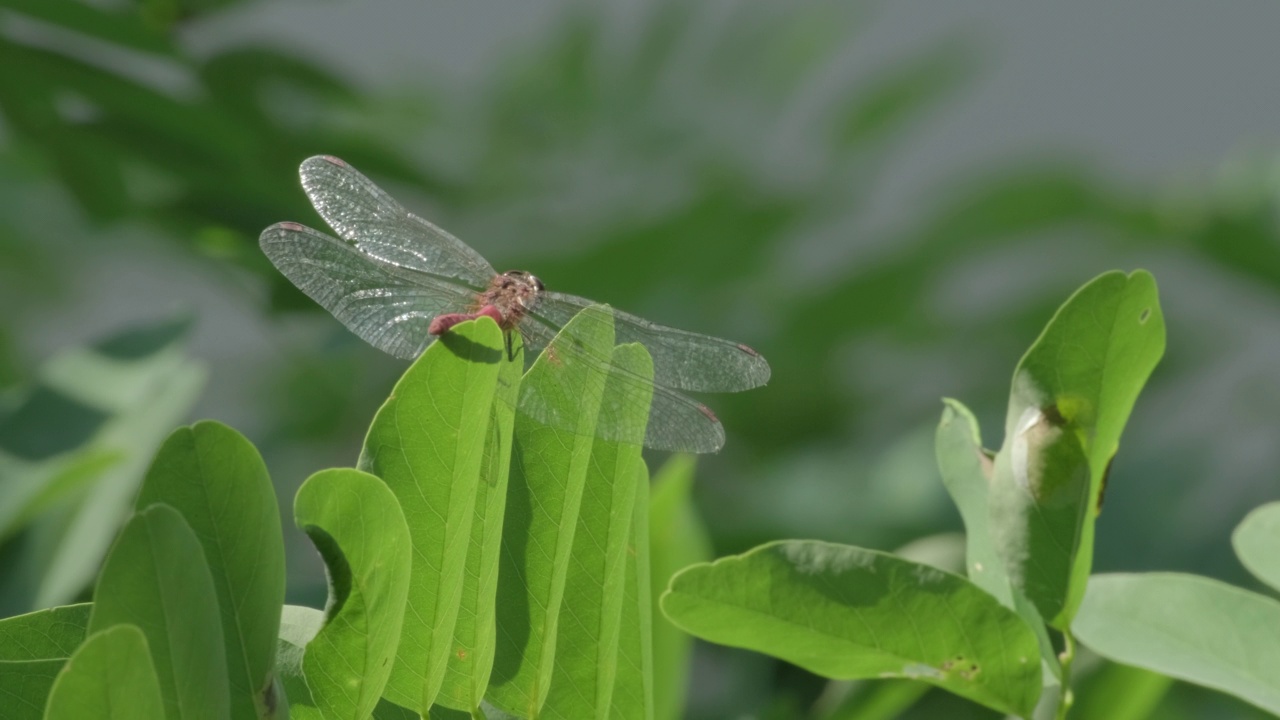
{"x":514,"y":293}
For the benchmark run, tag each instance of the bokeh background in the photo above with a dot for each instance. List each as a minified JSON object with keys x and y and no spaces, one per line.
{"x":888,"y":200}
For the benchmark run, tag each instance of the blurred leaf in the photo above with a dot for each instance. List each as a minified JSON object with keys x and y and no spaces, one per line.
{"x":427,"y":444}
{"x":1072,"y":394}
{"x":113,"y":400}
{"x":33,"y":649}
{"x":155,"y":567}
{"x":216,"y":480}
{"x":1192,"y":628}
{"x":677,"y":539}
{"x":847,"y":613}
{"x":474,"y":634}
{"x":878,"y":700}
{"x":586,"y":672}
{"x":549,"y":466}
{"x":109,"y":677}
{"x":1120,"y":692}
{"x":356,"y":524}
{"x":1257,"y":542}
{"x":901,"y":93}
{"x":114,"y":26}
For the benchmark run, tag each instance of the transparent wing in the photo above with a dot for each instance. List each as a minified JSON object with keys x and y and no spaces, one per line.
{"x":682,"y":360}
{"x":388,"y":307}
{"x":366,"y":216}
{"x":676,"y":423}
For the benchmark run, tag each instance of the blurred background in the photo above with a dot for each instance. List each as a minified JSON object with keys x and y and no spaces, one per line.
{"x":888,"y":200}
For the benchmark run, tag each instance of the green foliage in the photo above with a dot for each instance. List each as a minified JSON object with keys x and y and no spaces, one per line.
{"x":1194,"y":628}
{"x":156,"y":578}
{"x":189,"y":607}
{"x":33,"y":650}
{"x":358,"y":527}
{"x":847,"y":613}
{"x":111,"y":677}
{"x":1072,"y":393}
{"x":215,"y":478}
{"x":427,"y":443}
{"x":549,"y":466}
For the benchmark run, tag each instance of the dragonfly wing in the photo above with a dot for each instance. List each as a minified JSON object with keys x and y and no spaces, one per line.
{"x":676,"y":422}
{"x":681,"y":359}
{"x":387,"y":306}
{"x":364,"y":214}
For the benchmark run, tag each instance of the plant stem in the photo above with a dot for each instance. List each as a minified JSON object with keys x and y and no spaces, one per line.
{"x":1065,"y":657}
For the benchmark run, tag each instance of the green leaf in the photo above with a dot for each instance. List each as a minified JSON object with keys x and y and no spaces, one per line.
{"x":356,"y":523}
{"x":474,"y":634}
{"x":587,"y":644}
{"x":677,"y":539}
{"x":116,"y":27}
{"x":548,"y":469}
{"x":156,"y":578}
{"x":216,"y":479}
{"x":848,"y":613}
{"x":1072,"y":394}
{"x":1189,"y":627}
{"x":427,"y":444}
{"x":633,"y":693}
{"x":1257,"y":543}
{"x":33,"y":649}
{"x":110,"y":677}
{"x":966,"y":470}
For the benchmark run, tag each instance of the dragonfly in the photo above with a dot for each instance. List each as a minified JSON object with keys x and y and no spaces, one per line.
{"x":399,"y":282}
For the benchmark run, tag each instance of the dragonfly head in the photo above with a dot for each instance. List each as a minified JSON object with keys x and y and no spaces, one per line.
{"x":522,"y":287}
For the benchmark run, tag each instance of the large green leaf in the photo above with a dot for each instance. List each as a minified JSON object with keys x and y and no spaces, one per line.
{"x":33,"y":649}
{"x":587,"y":645}
{"x":116,"y":399}
{"x":156,"y":578}
{"x":215,"y":478}
{"x":847,"y":613}
{"x":474,"y":634}
{"x":548,"y":468}
{"x":1257,"y":542}
{"x":356,"y":524}
{"x":1072,"y":394}
{"x":427,"y":444}
{"x":677,"y":539}
{"x":1189,"y":627}
{"x":110,"y":677}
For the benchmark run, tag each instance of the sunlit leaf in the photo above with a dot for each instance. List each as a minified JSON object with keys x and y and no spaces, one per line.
{"x":427,"y":444}
{"x":474,"y":634}
{"x":356,"y":524}
{"x":548,"y":469}
{"x":587,"y":645}
{"x":848,"y":613}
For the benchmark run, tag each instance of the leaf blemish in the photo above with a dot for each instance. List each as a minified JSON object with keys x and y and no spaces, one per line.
{"x":1144,"y":316}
